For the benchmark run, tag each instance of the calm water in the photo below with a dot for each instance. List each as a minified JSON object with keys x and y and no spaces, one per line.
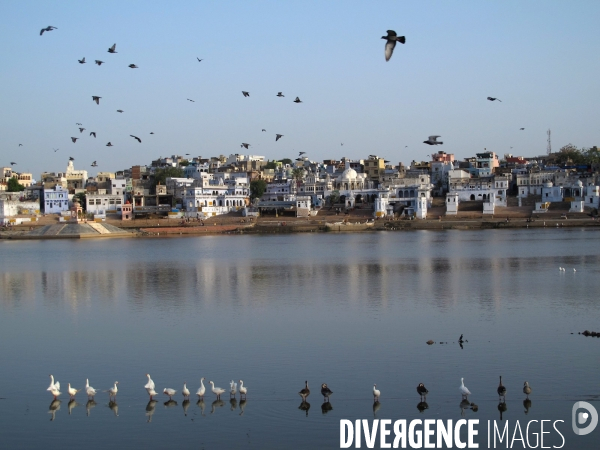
{"x":349,"y":310}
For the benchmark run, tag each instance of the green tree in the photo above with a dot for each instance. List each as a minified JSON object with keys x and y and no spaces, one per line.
{"x":184,"y":163}
{"x":270,"y":165}
{"x":592,"y":155}
{"x":334,"y":197}
{"x":257,"y":188}
{"x":285,"y":161}
{"x":81,"y":198}
{"x":570,"y":154}
{"x":298,"y":173}
{"x":161,"y":174}
{"x":14,"y":186}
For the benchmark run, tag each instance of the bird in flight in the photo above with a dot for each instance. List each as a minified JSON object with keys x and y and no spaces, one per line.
{"x":94,"y":164}
{"x":246,"y":94}
{"x":78,"y":122}
{"x":190,"y":100}
{"x":71,"y":158}
{"x":491,"y":99}
{"x":13,"y":163}
{"x":119,"y":110}
{"x":199,"y":60}
{"x":20,"y":145}
{"x":390,"y":43}
{"x":278,"y":136}
{"x":279,"y":94}
{"x":135,"y":137}
{"x":82,"y":60}
{"x":48,"y":28}
{"x":297,"y":100}
{"x":521,"y":129}
{"x":342,"y":143}
{"x":99,"y":62}
{"x":301,"y":153}
{"x":245,"y":145}
{"x":74,"y":139}
{"x":132,"y":66}
{"x":112,"y":49}
{"x":152,"y":132}
{"x":109,"y":145}
{"x":93,"y":133}
{"x":81,"y":129}
{"x":264,"y":129}
{"x":432,"y":140}
{"x":96,"y":99}
{"x":55,"y":149}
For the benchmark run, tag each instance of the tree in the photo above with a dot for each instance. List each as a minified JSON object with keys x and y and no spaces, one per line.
{"x":257,"y":188}
{"x":14,"y":185}
{"x":334,"y":197}
{"x":298,"y":173}
{"x":161,"y":174}
{"x":270,"y":165}
{"x":184,"y":163}
{"x":81,"y":198}
{"x":285,"y":161}
{"x":570,"y":154}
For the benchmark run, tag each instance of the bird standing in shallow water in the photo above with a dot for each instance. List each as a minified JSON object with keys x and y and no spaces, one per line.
{"x":90,"y":391}
{"x":216,"y":390}
{"x":72,"y":391}
{"x":501,"y":390}
{"x":243,"y":391}
{"x":325,"y":391}
{"x":526,"y":389}
{"x":170,"y":392}
{"x":304,"y":392}
{"x":233,"y":389}
{"x":201,"y":390}
{"x":376,"y":393}
{"x":390,"y":44}
{"x":112,"y":392}
{"x":422,"y":390}
{"x":463,"y":389}
{"x":185,"y":391}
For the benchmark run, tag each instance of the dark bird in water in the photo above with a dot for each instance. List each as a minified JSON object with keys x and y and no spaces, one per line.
{"x":391,"y":40}
{"x":71,"y":158}
{"x":278,"y":136}
{"x":132,"y":66}
{"x":190,"y":100}
{"x":135,"y":137}
{"x":94,"y":164}
{"x":297,"y":100}
{"x":112,"y":49}
{"x":526,"y":389}
{"x":199,"y":60}
{"x":13,"y":163}
{"x":48,"y":28}
{"x":109,"y":145}
{"x":82,"y":60}
{"x":422,"y":390}
{"x":81,"y":129}
{"x":245,"y":145}
{"x":246,"y":94}
{"x":93,"y":133}
{"x":432,"y":140}
{"x":521,"y":129}
{"x":501,"y":390}
{"x":119,"y":110}
{"x":491,"y":99}
{"x":96,"y":99}
{"x":304,"y":392}
{"x":74,"y":139}
{"x":325,"y":391}
{"x":279,"y":94}
{"x":97,"y":61}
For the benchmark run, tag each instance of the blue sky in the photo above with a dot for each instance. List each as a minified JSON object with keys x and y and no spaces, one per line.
{"x":539,"y":57}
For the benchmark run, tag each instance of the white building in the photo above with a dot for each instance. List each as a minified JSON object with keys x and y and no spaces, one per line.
{"x":100,"y":204}
{"x":56,"y":200}
{"x":218,"y":194}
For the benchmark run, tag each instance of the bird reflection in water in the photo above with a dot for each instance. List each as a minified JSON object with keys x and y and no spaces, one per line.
{"x":326,"y":407}
{"x":464,"y":405}
{"x":304,"y":406}
{"x":54,"y":406}
{"x":150,"y":407}
{"x":376,"y":406}
{"x":242,"y":406}
{"x":233,"y":402}
{"x":170,"y":403}
{"x":185,"y":404}
{"x":88,"y":406}
{"x":527,"y":405}
{"x":200,"y":404}
{"x":114,"y":407}
{"x":502,"y":408}
{"x":72,"y":404}
{"x":216,"y":404}
{"x":422,"y":406}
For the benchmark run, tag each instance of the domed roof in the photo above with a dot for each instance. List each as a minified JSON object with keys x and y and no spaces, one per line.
{"x":349,"y":174}
{"x":579,"y":183}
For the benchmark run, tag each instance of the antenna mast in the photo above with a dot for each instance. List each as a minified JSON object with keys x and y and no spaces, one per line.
{"x":549,"y":147}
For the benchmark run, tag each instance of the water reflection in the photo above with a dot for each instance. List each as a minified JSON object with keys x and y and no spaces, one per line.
{"x":170,"y":403}
{"x":233,"y":402}
{"x":54,"y":406}
{"x":89,"y":405}
{"x":242,"y":406}
{"x":114,"y":407}
{"x":326,"y":407}
{"x":72,"y":405}
{"x":527,"y":405}
{"x":422,"y":406}
{"x":200,"y":403}
{"x":150,"y":407}
{"x":185,"y":405}
{"x":304,"y":406}
{"x":502,"y":408}
{"x":464,"y":405}
{"x":216,"y":404}
{"x":376,"y":407}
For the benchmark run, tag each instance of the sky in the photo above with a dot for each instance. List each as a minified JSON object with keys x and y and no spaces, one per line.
{"x":539,"y":57}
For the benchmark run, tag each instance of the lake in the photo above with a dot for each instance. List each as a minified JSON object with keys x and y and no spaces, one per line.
{"x":349,"y":310}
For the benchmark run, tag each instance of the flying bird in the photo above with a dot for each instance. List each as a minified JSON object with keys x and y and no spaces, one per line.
{"x":71,"y":158}
{"x":264,"y":129}
{"x":246,"y":94}
{"x":99,"y":62}
{"x":82,"y":60}
{"x":432,"y":140}
{"x":55,"y":149}
{"x":80,"y":123}
{"x":119,"y":110}
{"x":278,"y":136}
{"x":94,"y":164}
{"x":13,"y":163}
{"x":132,"y":66}
{"x":491,"y":99}
{"x":109,"y":145}
{"x":93,"y":133}
{"x":48,"y":28}
{"x":74,"y":139}
{"x":152,"y":132}
{"x":20,"y":145}
{"x":135,"y":137}
{"x":96,"y":99}
{"x":245,"y":145}
{"x":521,"y":129}
{"x":391,"y":40}
{"x":199,"y":60}
{"x":297,"y":100}
{"x":190,"y":100}
{"x":279,"y":94}
{"x":81,"y":129}
{"x":301,"y":153}
{"x":112,"y":49}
